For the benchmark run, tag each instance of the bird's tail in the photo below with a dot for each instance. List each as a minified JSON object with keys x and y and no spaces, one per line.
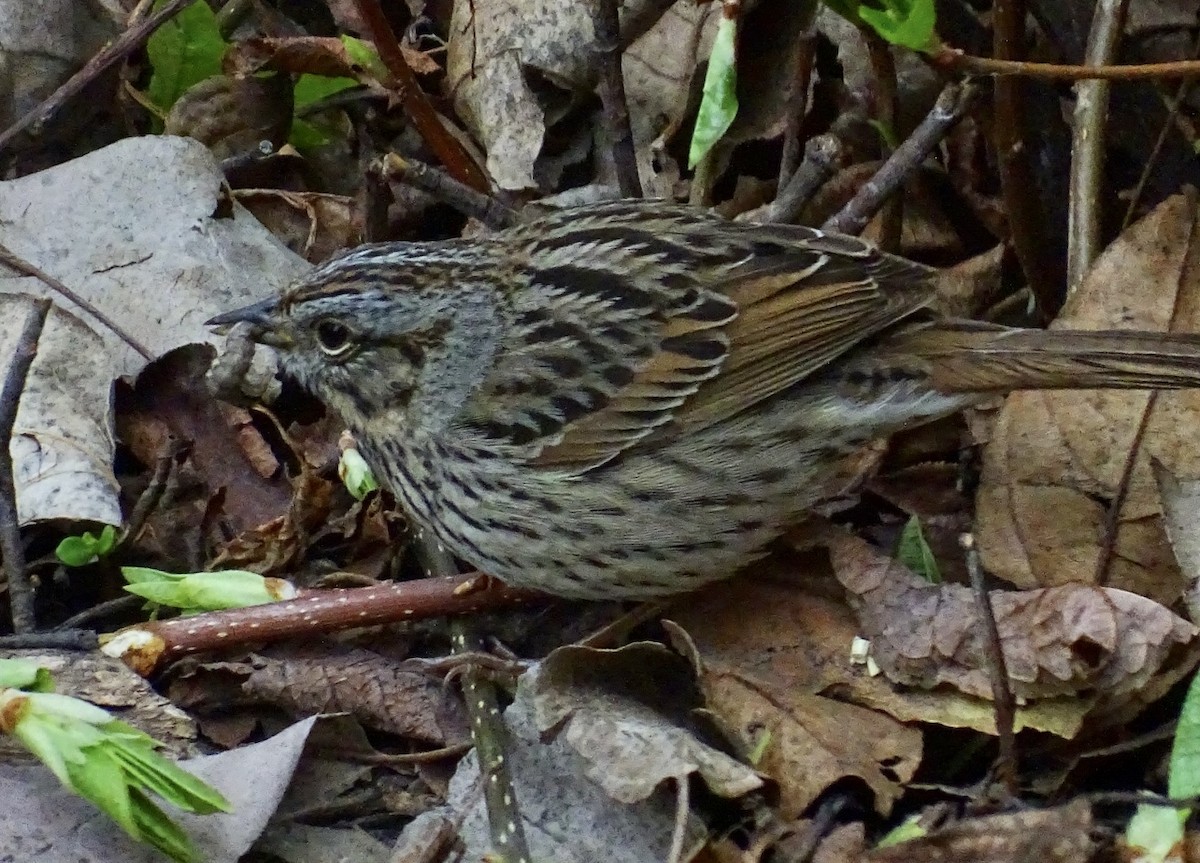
{"x":968,"y":357}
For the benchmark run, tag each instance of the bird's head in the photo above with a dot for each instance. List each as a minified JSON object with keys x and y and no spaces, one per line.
{"x":396,"y":328}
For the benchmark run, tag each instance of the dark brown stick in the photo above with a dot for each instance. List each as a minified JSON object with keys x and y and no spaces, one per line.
{"x":20,"y":591}
{"x":887,"y":109}
{"x":793,"y":146}
{"x":129,"y":41}
{"x":22,"y":266}
{"x":445,"y":188}
{"x":612,"y":97}
{"x":1004,"y":705}
{"x":1026,"y":221}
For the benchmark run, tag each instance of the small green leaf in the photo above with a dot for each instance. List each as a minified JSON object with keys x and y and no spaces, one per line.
{"x":309,"y":134}
{"x":364,"y":54}
{"x":313,"y":88}
{"x":914,"y":552}
{"x":1183,"y":774}
{"x":909,"y":828}
{"x":111,"y":764}
{"x":719,"y":104}
{"x":184,"y":51}
{"x":88,"y":548}
{"x":356,"y":473}
{"x":907,"y":23}
{"x":1155,"y":833}
{"x":196,"y":592}
{"x":21,"y":674}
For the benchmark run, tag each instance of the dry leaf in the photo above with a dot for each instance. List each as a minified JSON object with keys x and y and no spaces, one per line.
{"x":376,"y":691}
{"x":1056,"y":458}
{"x":1058,"y":835}
{"x":157,"y":265}
{"x":1056,"y":641}
{"x":567,"y":817}
{"x":764,"y":682}
{"x":515,"y":66}
{"x":628,"y":712}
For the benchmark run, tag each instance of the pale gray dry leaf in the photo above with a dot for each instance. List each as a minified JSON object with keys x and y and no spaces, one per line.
{"x":41,"y":44}
{"x":158,"y":265}
{"x":1181,"y":515}
{"x":567,"y":817}
{"x":42,"y":821}
{"x":62,"y":442}
{"x":631,"y":714}
{"x":1056,"y":641}
{"x":499,"y":48}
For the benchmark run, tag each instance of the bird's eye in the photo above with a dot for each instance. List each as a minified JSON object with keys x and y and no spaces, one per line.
{"x":334,"y":337}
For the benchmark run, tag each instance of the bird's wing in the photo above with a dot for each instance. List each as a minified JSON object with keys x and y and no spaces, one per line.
{"x":636,"y":318}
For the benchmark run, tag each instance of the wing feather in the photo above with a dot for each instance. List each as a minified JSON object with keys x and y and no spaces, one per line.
{"x":642,"y":319}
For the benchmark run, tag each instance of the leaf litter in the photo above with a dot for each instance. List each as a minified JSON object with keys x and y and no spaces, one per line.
{"x":762,"y":723}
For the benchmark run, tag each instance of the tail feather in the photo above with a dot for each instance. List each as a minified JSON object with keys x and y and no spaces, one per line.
{"x":974,"y":358}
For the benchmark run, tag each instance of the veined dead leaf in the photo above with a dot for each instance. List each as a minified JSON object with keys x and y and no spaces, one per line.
{"x":1056,"y":458}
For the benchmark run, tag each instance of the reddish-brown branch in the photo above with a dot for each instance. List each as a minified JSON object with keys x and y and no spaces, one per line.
{"x":1026,"y":221}
{"x":147,"y":647}
{"x":955,"y":60}
{"x":447,"y":149}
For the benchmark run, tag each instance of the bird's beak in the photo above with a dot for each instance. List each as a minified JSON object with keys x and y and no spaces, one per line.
{"x":263,"y":319}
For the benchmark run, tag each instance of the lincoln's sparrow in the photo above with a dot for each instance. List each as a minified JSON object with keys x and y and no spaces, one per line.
{"x":634,"y":398}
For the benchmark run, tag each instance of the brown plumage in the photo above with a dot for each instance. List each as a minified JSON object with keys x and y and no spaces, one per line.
{"x":634,"y":398}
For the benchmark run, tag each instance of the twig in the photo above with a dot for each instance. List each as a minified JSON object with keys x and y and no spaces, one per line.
{"x":1174,"y":105}
{"x":108,"y":608}
{"x":424,"y":757}
{"x":682,"y":807}
{"x":490,"y":736}
{"x":797,"y":107}
{"x":1026,"y":221}
{"x":149,"y":498}
{"x":1004,"y":705}
{"x":56,"y":639}
{"x":20,"y":591}
{"x":1088,"y":142}
{"x":10,"y":259}
{"x":950,"y":107}
{"x":612,"y":96}
{"x":445,"y":188}
{"x":955,"y":60}
{"x":488,"y":730}
{"x":424,"y":118}
{"x":822,"y":156}
{"x":130,"y":40}
{"x":148,"y":646}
